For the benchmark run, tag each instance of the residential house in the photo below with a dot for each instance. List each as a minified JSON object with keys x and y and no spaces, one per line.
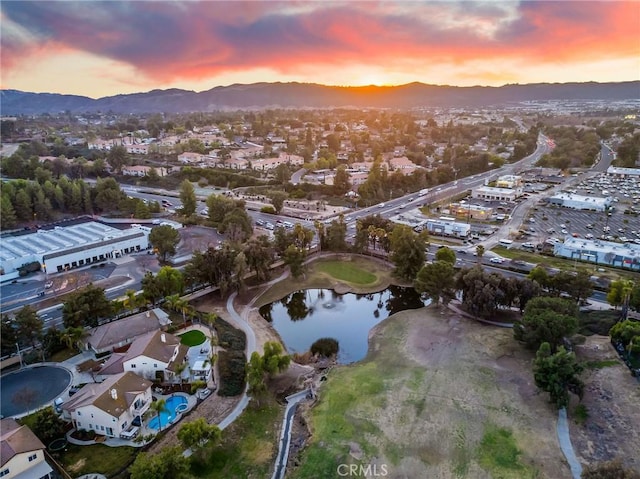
{"x":191,"y":158}
{"x":21,"y":453}
{"x":111,"y":407}
{"x":139,"y":170}
{"x":156,"y":355}
{"x":124,"y":331}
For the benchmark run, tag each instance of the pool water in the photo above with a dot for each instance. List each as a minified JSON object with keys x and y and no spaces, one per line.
{"x":167,"y":416}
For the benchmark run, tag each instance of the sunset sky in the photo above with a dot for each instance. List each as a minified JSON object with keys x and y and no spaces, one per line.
{"x":98,"y":49}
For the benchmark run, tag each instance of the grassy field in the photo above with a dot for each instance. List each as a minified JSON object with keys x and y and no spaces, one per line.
{"x":192,"y":338}
{"x":320,"y":274}
{"x":346,"y":272}
{"x":79,"y":460}
{"x":437,"y":396}
{"x":248,"y":446}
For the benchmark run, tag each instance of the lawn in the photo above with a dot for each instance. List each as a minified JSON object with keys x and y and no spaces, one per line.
{"x":248,"y":446}
{"x":192,"y":338}
{"x":63,"y":355}
{"x":346,"y":272}
{"x":79,"y":460}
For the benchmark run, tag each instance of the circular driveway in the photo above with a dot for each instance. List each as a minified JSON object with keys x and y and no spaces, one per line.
{"x":32,"y":388}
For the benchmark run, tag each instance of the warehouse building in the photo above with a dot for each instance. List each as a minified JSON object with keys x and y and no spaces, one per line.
{"x":447,"y":227}
{"x":66,"y":247}
{"x":600,"y":252}
{"x":579,"y":202}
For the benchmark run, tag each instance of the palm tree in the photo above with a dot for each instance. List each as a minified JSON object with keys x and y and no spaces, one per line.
{"x":158,"y":407}
{"x":131,"y":301}
{"x":479,"y":252}
{"x":180,"y":369}
{"x":71,"y":337}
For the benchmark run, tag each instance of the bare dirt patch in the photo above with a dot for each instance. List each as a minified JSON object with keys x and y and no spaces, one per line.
{"x":612,"y":396}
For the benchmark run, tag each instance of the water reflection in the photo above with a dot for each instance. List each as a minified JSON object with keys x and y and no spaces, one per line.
{"x":307,"y":315}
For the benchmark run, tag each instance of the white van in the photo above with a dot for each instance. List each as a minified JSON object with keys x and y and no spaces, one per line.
{"x":505,"y":242}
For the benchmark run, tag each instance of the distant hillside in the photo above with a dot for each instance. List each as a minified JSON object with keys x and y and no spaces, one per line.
{"x":300,"y":95}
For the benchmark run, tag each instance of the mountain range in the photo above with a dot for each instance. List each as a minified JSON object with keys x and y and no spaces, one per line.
{"x":311,"y":95}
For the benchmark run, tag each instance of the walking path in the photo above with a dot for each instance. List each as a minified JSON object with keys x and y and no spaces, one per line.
{"x":566,"y":446}
{"x":285,"y":437}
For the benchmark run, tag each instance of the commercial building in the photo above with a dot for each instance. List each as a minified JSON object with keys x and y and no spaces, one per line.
{"x":496,"y":194}
{"x":579,"y":202}
{"x":447,"y":227}
{"x":600,"y":252}
{"x":469,"y":211}
{"x":614,"y":170}
{"x":67,"y":247}
{"x":509,"y":181}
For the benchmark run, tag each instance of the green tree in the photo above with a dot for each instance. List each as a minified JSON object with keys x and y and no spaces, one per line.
{"x":277,"y":200}
{"x":546,"y":320}
{"x":436,"y":280}
{"x":158,"y":407}
{"x":169,"y":463}
{"x":8,"y":336}
{"x":557,"y":373}
{"x":479,"y":252}
{"x":72,"y":338}
{"x":29,"y":325}
{"x":259,"y":368}
{"x":188,"y":198}
{"x":8,"y":218}
{"x":170,"y":281}
{"x":341,"y":183}
{"x":627,"y":333}
{"x":164,"y":240}
{"x":407,"y":252}
{"x":447,"y":255}
{"x":195,"y":434}
{"x":47,"y":425}
{"x":118,"y":157}
{"x":85,"y":307}
{"x":107,"y":195}
{"x":294,"y":258}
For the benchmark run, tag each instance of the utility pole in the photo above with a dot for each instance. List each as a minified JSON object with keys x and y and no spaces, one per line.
{"x":19,"y":355}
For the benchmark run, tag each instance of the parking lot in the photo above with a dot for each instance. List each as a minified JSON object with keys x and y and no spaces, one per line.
{"x":558,"y":222}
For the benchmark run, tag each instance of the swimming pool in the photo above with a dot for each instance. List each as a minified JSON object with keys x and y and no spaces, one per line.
{"x":167,"y":416}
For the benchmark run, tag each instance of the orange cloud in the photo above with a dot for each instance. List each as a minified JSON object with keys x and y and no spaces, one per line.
{"x":172,"y":41}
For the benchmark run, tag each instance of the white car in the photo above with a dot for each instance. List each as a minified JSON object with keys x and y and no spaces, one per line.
{"x":497,"y":259}
{"x":403,"y":205}
{"x":381,"y":205}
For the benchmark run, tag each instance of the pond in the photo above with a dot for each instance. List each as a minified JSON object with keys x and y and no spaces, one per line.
{"x":304,"y":316}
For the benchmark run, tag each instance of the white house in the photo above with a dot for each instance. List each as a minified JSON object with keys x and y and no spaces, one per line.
{"x":109,"y":408}
{"x":22,"y":453}
{"x":189,"y":157}
{"x":139,"y":170}
{"x":154,"y":355}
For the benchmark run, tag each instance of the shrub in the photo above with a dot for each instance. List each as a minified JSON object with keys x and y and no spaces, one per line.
{"x":231,"y":367}
{"x":326,"y":347}
{"x":230,"y":337}
{"x":268,"y":209}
